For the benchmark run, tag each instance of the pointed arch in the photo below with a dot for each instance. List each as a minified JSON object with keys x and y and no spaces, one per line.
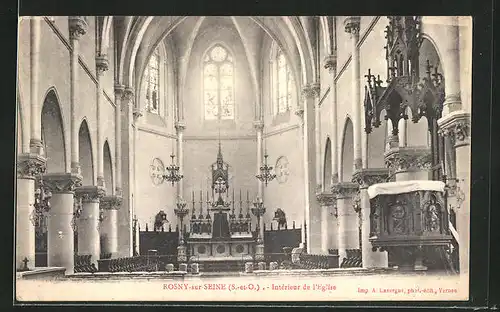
{"x":108,"y":168}
{"x":327,"y":165}
{"x":53,"y":133}
{"x":347,"y":151}
{"x":85,"y":153}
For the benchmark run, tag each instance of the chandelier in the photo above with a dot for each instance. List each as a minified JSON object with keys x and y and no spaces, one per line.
{"x":266,"y":174}
{"x":41,"y":205}
{"x":172,"y":174}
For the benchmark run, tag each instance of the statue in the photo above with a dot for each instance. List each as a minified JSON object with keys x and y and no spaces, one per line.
{"x":280,"y":216}
{"x":160,"y":219}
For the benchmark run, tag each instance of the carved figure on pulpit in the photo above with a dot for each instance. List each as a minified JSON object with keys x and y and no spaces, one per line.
{"x":398,"y":218}
{"x":160,"y":220}
{"x":432,"y":217}
{"x":280,"y":216}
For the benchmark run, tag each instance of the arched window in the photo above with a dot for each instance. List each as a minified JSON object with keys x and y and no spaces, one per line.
{"x":152,"y":83}
{"x":218,"y":84}
{"x":283,"y":83}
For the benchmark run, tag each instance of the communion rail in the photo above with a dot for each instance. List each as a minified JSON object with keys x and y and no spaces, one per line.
{"x":83,"y":263}
{"x":353,"y":259}
{"x":312,"y":261}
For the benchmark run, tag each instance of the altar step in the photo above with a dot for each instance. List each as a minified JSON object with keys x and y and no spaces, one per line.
{"x":222,"y":266}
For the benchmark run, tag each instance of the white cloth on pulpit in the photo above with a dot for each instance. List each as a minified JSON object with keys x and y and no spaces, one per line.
{"x":390,"y":188}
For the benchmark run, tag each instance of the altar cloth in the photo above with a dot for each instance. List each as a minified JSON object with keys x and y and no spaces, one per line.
{"x":390,"y":188}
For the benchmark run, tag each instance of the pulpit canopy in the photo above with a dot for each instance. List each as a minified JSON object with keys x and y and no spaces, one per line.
{"x":391,"y":188}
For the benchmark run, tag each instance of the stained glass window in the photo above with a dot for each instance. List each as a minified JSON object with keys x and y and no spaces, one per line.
{"x":285,"y":84}
{"x":218,"y":84}
{"x":152,"y":82}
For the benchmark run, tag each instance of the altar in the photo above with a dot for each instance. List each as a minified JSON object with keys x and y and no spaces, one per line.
{"x":221,"y":236}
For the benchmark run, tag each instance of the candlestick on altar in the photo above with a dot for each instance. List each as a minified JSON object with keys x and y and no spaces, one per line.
{"x":241,"y":207}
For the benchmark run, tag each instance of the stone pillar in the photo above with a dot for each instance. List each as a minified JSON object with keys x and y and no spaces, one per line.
{"x":259,"y":127}
{"x":127,"y":170}
{"x":351,"y":24}
{"x":364,"y":178}
{"x":101,"y":63}
{"x":348,"y":218}
{"x":109,"y":230}
{"x":180,"y":127}
{"x":328,"y":228}
{"x":88,"y":222}
{"x":299,"y":112}
{"x":451,"y":65}
{"x":137,"y":114}
{"x":29,"y":168}
{"x":318,"y":143}
{"x":456,"y":125}
{"x":330,"y":63}
{"x":60,"y":243}
{"x":77,"y":28}
{"x":409,"y":163}
{"x":119,"y":92}
{"x":35,"y":113}
{"x":313,"y":216}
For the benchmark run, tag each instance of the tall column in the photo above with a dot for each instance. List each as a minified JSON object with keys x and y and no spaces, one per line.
{"x":299,"y":112}
{"x":259,"y":128}
{"x":364,"y":178}
{"x":180,"y":127}
{"x":456,"y":125}
{"x":60,"y":243}
{"x":347,"y":217}
{"x":137,"y":114}
{"x":77,"y":28}
{"x":109,"y":230}
{"x":351,"y":24}
{"x":29,"y":168}
{"x":330,"y":63}
{"x":318,"y":143}
{"x":88,"y":229}
{"x":119,"y":92}
{"x":101,"y":66}
{"x":326,"y":201}
{"x":451,"y":65}
{"x":35,"y":113}
{"x":313,"y":215}
{"x":125,"y":213}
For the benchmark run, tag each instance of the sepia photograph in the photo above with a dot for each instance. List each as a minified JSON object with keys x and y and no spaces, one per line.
{"x":243,"y":158}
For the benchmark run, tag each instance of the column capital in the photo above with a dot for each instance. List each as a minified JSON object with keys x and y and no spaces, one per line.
{"x":119,"y":89}
{"x":330,"y":62}
{"x":311,"y":91}
{"x":90,"y":193}
{"x":326,"y":199}
{"x":366,"y":177}
{"x":77,"y":27}
{"x":59,"y":183}
{"x":351,"y":25}
{"x":408,"y":158}
{"x":258,"y":125}
{"x":112,"y":202}
{"x":101,"y":64}
{"x":457,"y":126}
{"x":180,"y":126}
{"x":30,"y":166}
{"x":344,"y":189}
{"x":128,"y":94}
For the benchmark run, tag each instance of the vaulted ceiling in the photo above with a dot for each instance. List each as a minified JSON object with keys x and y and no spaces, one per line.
{"x":137,"y":37}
